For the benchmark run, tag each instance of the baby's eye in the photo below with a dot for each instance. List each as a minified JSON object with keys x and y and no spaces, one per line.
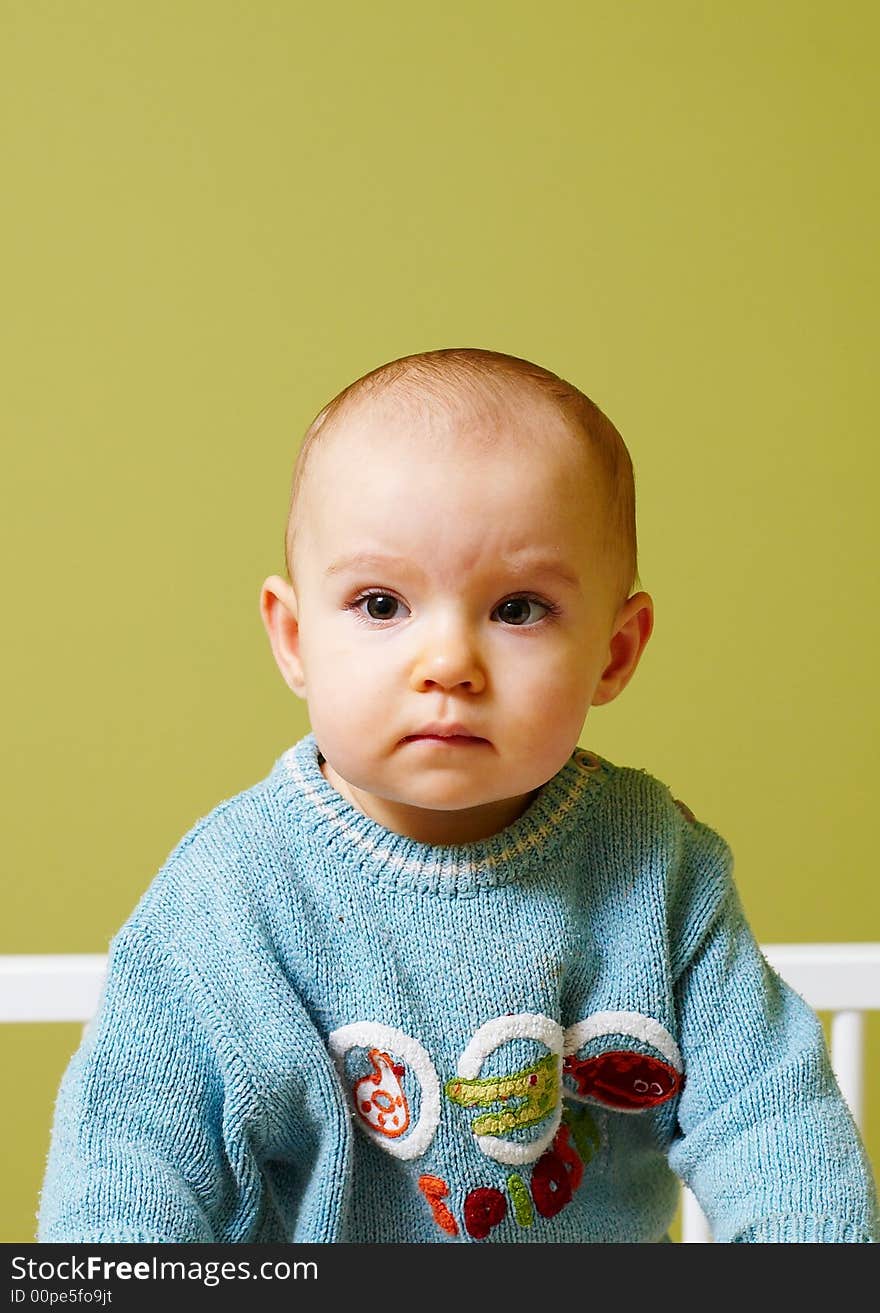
{"x":515,"y":608}
{"x":380,"y":606}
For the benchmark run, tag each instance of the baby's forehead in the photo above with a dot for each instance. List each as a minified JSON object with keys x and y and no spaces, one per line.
{"x":449,"y":479}
{"x":456,"y":424}
{"x":568,"y":466}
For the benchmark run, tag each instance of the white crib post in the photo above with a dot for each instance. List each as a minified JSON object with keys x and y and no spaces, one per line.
{"x":695,"y":1229}
{"x":847,"y":1047}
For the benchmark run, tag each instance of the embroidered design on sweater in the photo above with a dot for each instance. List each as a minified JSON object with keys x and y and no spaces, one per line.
{"x":519,"y":1197}
{"x":407,"y":1059}
{"x":435,"y":1190}
{"x":622,"y":1079}
{"x":379,"y":1098}
{"x":555,"y":1177}
{"x":536,"y":1086}
{"x":484,"y":1208}
{"x":583,"y":1130}
{"x":510,"y":1104}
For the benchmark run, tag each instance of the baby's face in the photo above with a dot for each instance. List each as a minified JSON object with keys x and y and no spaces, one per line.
{"x":440,"y":583}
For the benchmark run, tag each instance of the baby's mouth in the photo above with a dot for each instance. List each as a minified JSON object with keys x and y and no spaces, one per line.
{"x":456,"y":740}
{"x":451,"y":732}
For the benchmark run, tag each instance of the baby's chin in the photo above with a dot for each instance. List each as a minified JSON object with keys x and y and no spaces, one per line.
{"x":462,"y":800}
{"x":444,"y":796}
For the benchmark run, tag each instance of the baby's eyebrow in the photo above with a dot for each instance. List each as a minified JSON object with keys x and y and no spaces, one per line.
{"x":527,"y":563}
{"x":358,"y":560}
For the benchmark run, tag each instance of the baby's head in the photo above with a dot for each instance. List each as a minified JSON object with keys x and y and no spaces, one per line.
{"x":461,"y":549}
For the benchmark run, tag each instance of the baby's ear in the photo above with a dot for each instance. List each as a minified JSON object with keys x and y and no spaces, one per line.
{"x":633,"y":626}
{"x":278,"y":607}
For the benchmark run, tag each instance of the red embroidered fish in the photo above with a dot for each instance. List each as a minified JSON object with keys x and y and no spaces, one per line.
{"x":623,"y":1080}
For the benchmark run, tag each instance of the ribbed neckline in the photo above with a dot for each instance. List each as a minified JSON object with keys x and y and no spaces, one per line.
{"x":451,"y":869}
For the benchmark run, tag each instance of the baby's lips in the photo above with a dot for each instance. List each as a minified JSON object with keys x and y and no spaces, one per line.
{"x":624,"y":1080}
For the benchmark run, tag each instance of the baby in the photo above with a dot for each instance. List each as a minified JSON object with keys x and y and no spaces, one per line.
{"x":443,"y":975}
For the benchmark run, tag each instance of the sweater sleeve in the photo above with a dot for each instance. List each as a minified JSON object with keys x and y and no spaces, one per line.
{"x":144,"y":1144}
{"x":764,"y":1138}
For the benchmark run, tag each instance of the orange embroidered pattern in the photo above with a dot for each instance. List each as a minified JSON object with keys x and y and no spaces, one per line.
{"x":435,"y":1190}
{"x":379,"y":1098}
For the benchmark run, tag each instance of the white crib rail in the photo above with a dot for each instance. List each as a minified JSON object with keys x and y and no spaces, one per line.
{"x":843,"y":979}
{"x":51,"y":987}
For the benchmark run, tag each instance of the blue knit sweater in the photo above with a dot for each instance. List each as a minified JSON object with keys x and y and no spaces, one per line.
{"x":316,"y":1029}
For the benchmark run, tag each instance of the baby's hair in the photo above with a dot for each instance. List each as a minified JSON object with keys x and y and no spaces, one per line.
{"x":473,"y":375}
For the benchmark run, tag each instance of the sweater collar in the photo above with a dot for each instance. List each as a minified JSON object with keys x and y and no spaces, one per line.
{"x":553,"y":818}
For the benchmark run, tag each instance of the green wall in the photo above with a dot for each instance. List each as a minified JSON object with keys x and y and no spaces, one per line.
{"x":218,"y":214}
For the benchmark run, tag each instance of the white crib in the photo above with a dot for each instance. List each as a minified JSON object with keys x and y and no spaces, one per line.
{"x":843,"y":979}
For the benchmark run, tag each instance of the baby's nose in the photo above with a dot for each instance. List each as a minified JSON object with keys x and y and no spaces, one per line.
{"x":448,"y":660}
